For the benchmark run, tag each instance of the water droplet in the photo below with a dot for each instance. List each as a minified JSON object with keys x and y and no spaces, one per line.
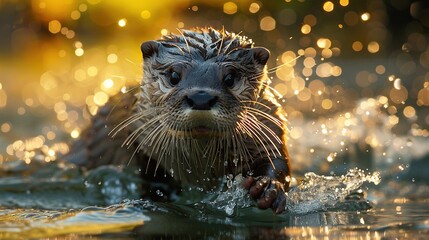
{"x":397,"y":84}
{"x":406,"y":47}
{"x":235,"y":161}
{"x":159,"y":193}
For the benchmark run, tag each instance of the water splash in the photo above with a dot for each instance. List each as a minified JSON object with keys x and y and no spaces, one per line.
{"x":314,"y":193}
{"x":233,"y":198}
{"x":319,"y":193}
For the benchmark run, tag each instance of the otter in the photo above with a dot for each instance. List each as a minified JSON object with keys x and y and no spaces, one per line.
{"x":204,"y":110}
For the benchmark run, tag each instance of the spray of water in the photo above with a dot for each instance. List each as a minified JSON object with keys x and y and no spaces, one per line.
{"x":314,"y":193}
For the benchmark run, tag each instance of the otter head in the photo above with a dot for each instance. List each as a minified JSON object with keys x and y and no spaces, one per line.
{"x":201,"y":80}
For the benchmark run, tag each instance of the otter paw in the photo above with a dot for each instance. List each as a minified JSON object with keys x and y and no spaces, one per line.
{"x":268,"y":192}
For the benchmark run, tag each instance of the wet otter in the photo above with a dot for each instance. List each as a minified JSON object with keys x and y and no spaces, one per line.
{"x":203,"y":110}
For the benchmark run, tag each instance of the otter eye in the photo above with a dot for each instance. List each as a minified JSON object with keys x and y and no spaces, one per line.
{"x":229,"y":79}
{"x":174,"y":78}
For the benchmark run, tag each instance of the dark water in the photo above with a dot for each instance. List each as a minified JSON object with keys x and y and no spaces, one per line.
{"x":370,"y":112}
{"x":44,"y":200}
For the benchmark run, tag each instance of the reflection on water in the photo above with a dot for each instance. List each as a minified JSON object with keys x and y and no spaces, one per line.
{"x":134,"y":219}
{"x":318,"y":206}
{"x":352,"y":76}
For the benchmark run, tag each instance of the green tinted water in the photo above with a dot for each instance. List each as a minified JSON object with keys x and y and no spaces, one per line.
{"x":43,"y":200}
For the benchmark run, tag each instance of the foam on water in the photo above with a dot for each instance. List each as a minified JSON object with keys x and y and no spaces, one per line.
{"x":234,"y":197}
{"x":313,"y":193}
{"x":318,"y":193}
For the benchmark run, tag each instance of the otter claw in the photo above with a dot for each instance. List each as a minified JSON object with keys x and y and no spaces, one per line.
{"x":269,"y":193}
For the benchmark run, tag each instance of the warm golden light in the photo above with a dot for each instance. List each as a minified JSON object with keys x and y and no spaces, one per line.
{"x":79,"y":52}
{"x":267,"y":23}
{"x":229,"y":8}
{"x":254,"y":7}
{"x":112,"y":58}
{"x":328,"y":6}
{"x":373,"y":47}
{"x":365,"y":16}
{"x":344,"y":3}
{"x":422,"y":97}
{"x":310,"y":20}
{"x":296,"y":132}
{"x":327,"y":104}
{"x":3,"y":98}
{"x":380,"y":69}
{"x":145,"y":14}
{"x":357,"y":46}
{"x":5,"y":127}
{"x":323,"y":43}
{"x":100,"y":98}
{"x":75,"y":15}
{"x":306,"y":29}
{"x":54,"y":26}
{"x":107,"y":84}
{"x":409,"y":112}
{"x":92,"y":71}
{"x":122,"y":22}
{"x":75,"y":133}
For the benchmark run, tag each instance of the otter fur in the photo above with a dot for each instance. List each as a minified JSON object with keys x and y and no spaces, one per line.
{"x":203,"y":110}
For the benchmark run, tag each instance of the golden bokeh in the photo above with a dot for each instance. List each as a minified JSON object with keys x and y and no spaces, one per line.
{"x":230,"y":7}
{"x":328,"y":6}
{"x":70,"y":57}
{"x":268,"y":23}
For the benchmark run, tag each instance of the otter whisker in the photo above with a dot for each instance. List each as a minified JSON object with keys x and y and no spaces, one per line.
{"x":273,"y":90}
{"x":256,"y":103}
{"x":135,"y":134}
{"x":125,"y":123}
{"x":160,"y":141}
{"x":259,"y":143}
{"x":177,"y":46}
{"x":240,"y":148}
{"x":186,"y":42}
{"x":204,"y":109}
{"x":150,"y":136}
{"x":258,"y":126}
{"x":264,"y":126}
{"x":256,"y":131}
{"x":130,"y":61}
{"x":221,"y":41}
{"x":243,"y":129}
{"x":230,"y":42}
{"x":265,"y":115}
{"x":212,"y":147}
{"x":157,"y":134}
{"x":272,"y":70}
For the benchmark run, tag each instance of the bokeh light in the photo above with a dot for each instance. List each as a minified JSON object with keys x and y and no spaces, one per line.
{"x":334,"y":62}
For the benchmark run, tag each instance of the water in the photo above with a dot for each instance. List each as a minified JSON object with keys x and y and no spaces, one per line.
{"x":53,"y":199}
{"x":356,"y":96}
{"x":43,"y":197}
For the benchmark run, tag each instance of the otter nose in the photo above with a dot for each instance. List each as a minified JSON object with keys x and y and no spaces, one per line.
{"x":201,"y":100}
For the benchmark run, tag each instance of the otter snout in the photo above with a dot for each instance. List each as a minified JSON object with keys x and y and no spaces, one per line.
{"x":201,"y":100}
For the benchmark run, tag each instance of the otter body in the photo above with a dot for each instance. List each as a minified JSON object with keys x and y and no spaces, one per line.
{"x":203,"y":110}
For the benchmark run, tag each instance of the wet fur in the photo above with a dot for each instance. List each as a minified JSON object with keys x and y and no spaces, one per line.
{"x":153,"y":128}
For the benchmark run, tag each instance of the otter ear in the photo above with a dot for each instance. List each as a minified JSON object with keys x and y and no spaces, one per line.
{"x":260,"y":55}
{"x":150,"y":48}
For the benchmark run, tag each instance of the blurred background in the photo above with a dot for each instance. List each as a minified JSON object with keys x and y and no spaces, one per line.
{"x":353,"y":74}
